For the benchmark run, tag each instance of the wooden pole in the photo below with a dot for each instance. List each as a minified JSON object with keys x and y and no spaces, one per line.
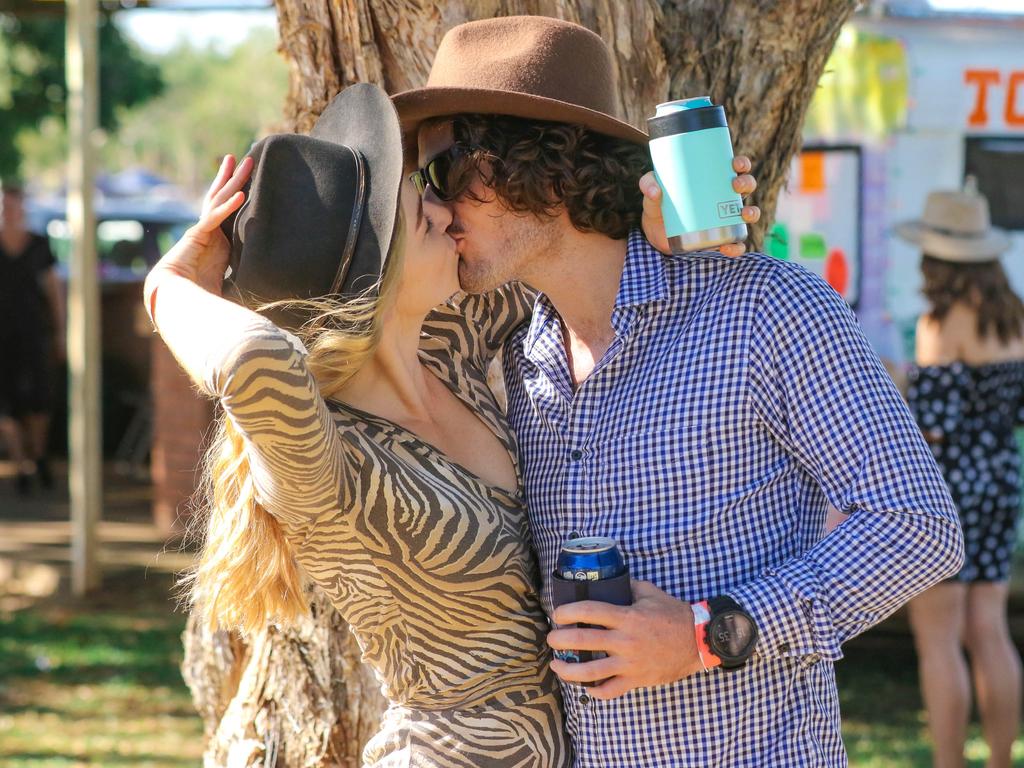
{"x":84,"y":430}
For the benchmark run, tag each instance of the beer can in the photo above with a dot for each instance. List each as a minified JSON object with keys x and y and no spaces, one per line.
{"x":590,"y":558}
{"x":692,"y":154}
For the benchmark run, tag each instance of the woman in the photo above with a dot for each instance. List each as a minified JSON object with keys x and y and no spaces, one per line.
{"x":31,"y":340}
{"x":377,"y":464}
{"x":967,"y":393}
{"x":386,"y":469}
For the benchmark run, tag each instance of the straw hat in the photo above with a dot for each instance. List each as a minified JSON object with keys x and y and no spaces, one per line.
{"x":956,"y":227}
{"x":522,"y":66}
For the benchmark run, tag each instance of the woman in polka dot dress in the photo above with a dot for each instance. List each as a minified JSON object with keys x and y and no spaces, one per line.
{"x":967,"y":393}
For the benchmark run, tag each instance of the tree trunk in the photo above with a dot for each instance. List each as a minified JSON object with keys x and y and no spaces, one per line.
{"x":300,"y":697}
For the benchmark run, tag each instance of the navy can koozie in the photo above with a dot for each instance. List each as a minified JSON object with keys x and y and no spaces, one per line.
{"x":590,"y":568}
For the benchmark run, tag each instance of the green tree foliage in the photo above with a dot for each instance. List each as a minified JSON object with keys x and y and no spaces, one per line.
{"x":213,"y":102}
{"x":32,"y":78}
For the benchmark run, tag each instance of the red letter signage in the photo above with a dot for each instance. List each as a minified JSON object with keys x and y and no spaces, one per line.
{"x":983,"y":78}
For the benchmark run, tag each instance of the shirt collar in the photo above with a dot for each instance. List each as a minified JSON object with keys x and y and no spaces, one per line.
{"x":643,"y":281}
{"x":643,"y":274}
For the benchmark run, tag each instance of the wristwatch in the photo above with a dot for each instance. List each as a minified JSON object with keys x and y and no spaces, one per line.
{"x":726,"y":634}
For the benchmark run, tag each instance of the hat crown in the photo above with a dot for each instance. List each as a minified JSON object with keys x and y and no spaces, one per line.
{"x":533,"y":55}
{"x":320,"y":210}
{"x":963,"y":212}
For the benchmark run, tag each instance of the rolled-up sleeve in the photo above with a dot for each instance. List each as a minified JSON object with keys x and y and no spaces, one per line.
{"x":824,"y":396}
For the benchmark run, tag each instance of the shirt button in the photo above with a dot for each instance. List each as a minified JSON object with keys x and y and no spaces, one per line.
{"x":576,"y":455}
{"x":783,"y":647}
{"x":585,"y":700}
{"x":575,"y":535}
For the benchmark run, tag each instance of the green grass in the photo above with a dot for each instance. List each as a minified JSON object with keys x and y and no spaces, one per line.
{"x":97,"y":686}
{"x":883,"y":720}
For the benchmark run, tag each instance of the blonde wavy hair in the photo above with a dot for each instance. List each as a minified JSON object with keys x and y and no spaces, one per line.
{"x":246,"y":575}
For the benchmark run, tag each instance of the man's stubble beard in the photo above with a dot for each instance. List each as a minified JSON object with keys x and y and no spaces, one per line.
{"x":481,"y":275}
{"x":512,"y":258}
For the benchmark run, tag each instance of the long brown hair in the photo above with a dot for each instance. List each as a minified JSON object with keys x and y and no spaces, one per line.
{"x":246,"y":575}
{"x":982,"y":286}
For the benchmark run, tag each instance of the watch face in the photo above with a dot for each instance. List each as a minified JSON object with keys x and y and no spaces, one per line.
{"x":732,"y":635}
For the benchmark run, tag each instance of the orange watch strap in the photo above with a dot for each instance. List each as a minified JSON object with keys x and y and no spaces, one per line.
{"x":701,"y":617}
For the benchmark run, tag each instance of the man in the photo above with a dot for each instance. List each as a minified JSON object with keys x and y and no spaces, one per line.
{"x":31,"y":338}
{"x":701,"y":410}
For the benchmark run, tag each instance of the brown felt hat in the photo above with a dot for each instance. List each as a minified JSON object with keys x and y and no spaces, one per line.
{"x":522,"y":66}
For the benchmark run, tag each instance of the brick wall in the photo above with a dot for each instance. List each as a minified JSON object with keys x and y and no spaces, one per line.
{"x":181,"y":423}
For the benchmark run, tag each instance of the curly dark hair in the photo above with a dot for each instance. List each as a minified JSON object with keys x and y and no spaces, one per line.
{"x":540,"y":167}
{"x":982,"y":286}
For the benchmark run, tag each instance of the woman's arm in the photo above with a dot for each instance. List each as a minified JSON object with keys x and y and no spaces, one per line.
{"x":476,"y":326}
{"x":256,"y":370}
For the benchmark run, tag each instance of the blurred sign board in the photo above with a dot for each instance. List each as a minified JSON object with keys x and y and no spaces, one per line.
{"x":818,"y":218}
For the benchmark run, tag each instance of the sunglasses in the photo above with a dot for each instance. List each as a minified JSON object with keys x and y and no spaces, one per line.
{"x":437,"y":174}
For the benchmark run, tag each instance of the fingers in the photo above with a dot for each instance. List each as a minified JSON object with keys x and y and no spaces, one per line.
{"x":643,"y":589}
{"x":741,"y":164}
{"x":232,"y":185}
{"x":649,"y":186}
{"x":611,"y":689}
{"x":575,"y":672}
{"x":214,"y":217}
{"x":751,"y":215}
{"x":733,"y":250}
{"x":591,"y":612}
{"x":227,"y":167}
{"x":652,"y":196}
{"x":574,"y":638}
{"x":744,"y":185}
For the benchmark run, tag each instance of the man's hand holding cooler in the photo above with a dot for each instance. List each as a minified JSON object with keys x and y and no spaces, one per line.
{"x":657,"y":640}
{"x":653,"y":221}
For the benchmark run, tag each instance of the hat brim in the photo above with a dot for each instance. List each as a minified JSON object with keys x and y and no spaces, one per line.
{"x":950,"y":248}
{"x":363,"y":118}
{"x":421,"y":104}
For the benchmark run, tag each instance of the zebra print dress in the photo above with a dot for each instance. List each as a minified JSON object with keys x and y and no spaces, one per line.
{"x":431,"y":566}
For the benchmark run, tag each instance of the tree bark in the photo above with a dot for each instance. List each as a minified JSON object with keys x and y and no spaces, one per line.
{"x":287,"y":697}
{"x":300,"y":697}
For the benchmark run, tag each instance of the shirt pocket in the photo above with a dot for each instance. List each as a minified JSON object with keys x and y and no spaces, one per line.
{"x":657,"y":488}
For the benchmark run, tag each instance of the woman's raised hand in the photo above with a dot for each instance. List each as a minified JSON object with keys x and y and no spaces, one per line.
{"x":202,"y":253}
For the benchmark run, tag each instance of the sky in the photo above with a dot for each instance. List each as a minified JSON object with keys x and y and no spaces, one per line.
{"x":158,"y":30}
{"x":991,"y":6}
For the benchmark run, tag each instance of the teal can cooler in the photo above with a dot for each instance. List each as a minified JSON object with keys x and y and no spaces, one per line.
{"x":692,"y":153}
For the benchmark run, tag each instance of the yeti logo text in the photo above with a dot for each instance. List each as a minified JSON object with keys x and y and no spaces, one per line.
{"x":729,"y":208}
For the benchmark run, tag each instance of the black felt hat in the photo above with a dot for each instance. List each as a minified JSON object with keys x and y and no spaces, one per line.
{"x":320,"y":210}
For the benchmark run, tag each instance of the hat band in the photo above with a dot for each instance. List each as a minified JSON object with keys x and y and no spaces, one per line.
{"x":958,"y":234}
{"x":356,"y":221}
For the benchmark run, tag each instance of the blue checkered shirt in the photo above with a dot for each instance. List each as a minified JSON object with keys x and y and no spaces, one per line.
{"x":737,"y":399}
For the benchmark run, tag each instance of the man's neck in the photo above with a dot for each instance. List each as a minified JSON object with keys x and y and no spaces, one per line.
{"x":582,"y":282}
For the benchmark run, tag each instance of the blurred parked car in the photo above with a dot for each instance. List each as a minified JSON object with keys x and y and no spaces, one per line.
{"x":131,"y":233}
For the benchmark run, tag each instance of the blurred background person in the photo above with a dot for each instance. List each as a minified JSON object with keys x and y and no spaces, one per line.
{"x":31,"y":340}
{"x":966,"y":390}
